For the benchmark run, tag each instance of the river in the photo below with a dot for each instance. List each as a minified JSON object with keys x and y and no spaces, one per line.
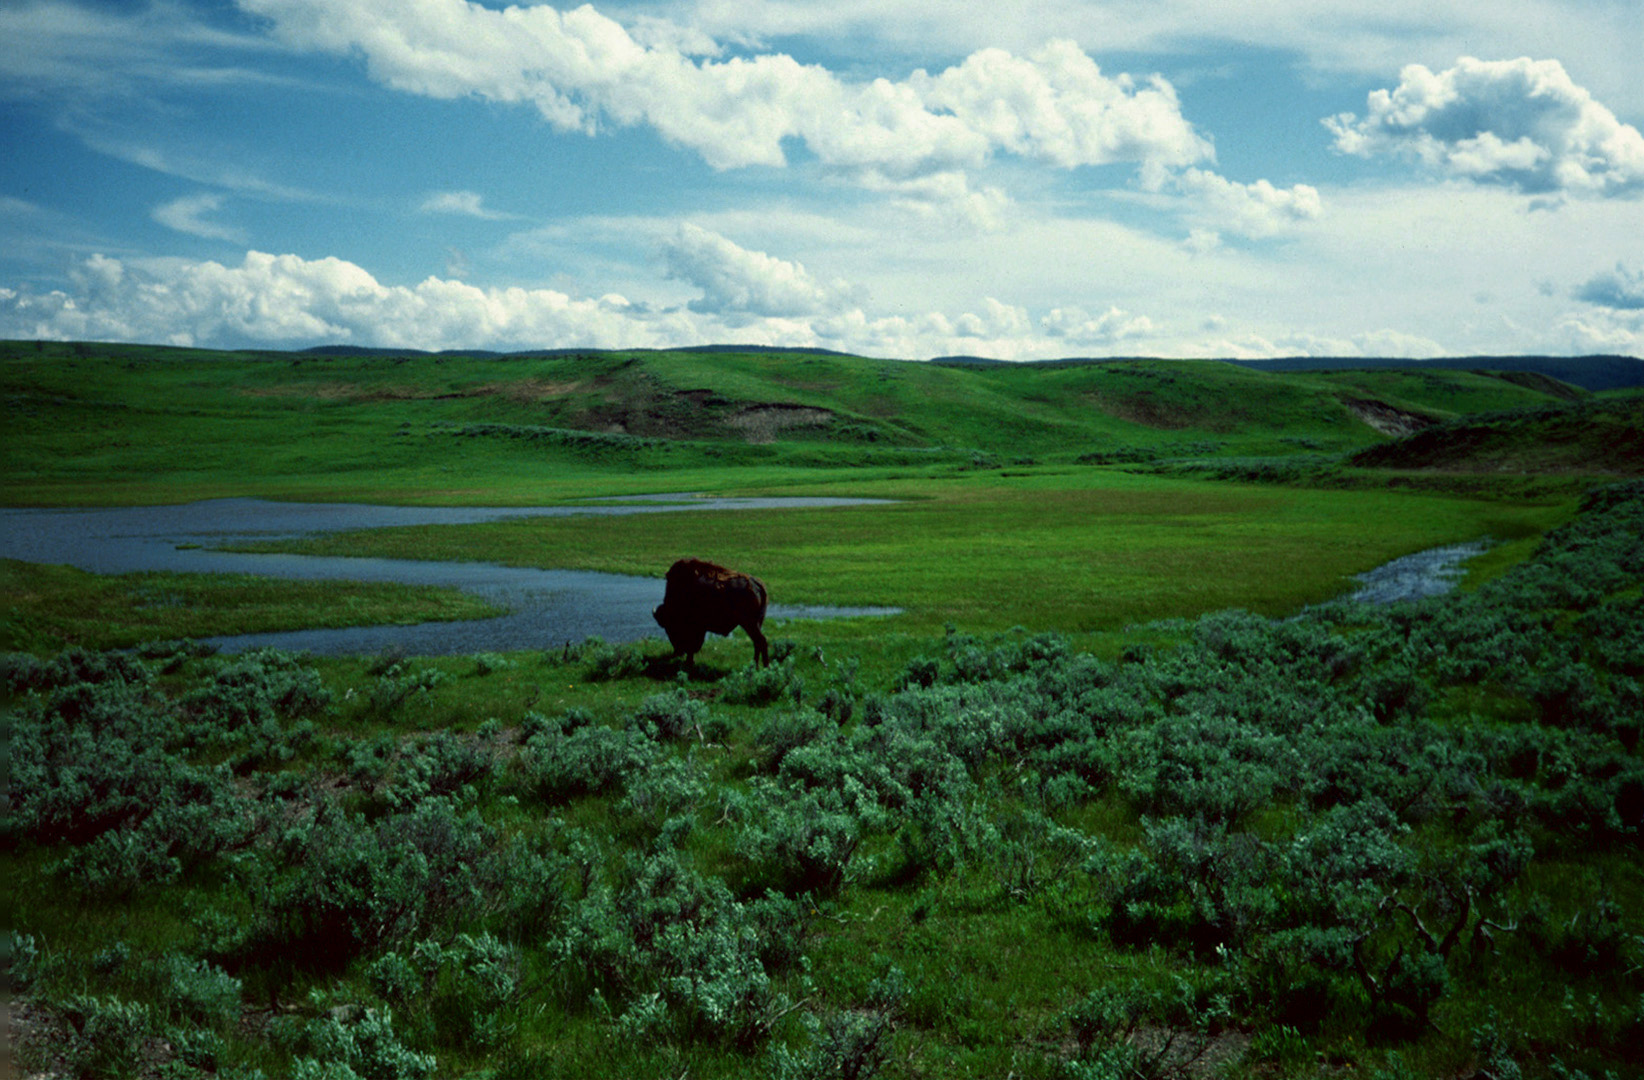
{"x":547,"y":608}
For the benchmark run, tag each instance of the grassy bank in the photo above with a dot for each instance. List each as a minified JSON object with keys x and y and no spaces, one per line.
{"x":1070,"y":551}
{"x":52,"y":607}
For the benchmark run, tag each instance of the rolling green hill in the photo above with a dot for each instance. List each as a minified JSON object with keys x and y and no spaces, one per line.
{"x":1589,"y":372}
{"x":1602,"y":434}
{"x":102,"y":422}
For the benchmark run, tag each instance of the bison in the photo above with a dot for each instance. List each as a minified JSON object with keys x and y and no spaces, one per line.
{"x":701,"y":597}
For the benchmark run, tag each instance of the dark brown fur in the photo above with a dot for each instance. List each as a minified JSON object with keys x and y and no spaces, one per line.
{"x":703,"y":597}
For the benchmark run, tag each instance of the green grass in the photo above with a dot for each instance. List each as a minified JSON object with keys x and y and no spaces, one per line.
{"x":1001,"y":522}
{"x":114,"y":425}
{"x":990,"y":975}
{"x":1600,"y":434}
{"x":50,"y":607}
{"x":1071,"y":551}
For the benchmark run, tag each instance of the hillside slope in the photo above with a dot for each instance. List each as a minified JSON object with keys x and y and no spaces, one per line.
{"x":119,"y":415}
{"x":1601,"y":435}
{"x":1588,"y":372}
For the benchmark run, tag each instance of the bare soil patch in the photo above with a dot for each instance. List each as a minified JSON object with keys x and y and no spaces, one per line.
{"x":763,"y":423}
{"x":1387,"y":419}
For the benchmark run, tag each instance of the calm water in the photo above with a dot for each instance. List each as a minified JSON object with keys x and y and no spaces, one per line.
{"x":547,"y":607}
{"x":1426,"y":573}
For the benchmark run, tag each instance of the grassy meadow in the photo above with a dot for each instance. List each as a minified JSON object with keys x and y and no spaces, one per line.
{"x":1107,"y":799}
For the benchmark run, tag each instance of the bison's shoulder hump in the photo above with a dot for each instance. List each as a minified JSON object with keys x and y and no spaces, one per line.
{"x":695,"y":570}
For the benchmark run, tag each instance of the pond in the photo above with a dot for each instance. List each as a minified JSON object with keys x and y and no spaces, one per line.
{"x":547,"y":608}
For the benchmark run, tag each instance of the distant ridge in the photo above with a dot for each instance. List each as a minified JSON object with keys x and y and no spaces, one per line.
{"x":1599,"y":372}
{"x":1593,"y":373}
{"x":1587,"y":372}
{"x":359,"y":350}
{"x":375,"y":350}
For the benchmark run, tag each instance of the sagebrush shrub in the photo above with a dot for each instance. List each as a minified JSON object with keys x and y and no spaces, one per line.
{"x":444,"y":765}
{"x":339,"y":885}
{"x":671,"y":950}
{"x":805,"y":840}
{"x":608,"y":662}
{"x":671,"y":715}
{"x":487,"y":663}
{"x":664,"y":798}
{"x":398,"y":684}
{"x":783,"y":732}
{"x":751,"y":685}
{"x":366,"y":1048}
{"x":257,"y":686}
{"x":197,"y":990}
{"x":460,"y":992}
{"x":588,"y":761}
{"x":107,"y":1035}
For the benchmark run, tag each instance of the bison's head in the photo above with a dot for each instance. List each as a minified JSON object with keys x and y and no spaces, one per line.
{"x":683,"y":634}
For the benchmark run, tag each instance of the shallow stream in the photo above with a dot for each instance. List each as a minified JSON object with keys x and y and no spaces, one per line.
{"x":1426,"y":573}
{"x":547,"y":608}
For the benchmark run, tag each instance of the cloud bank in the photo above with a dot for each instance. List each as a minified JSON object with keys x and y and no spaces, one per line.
{"x":583,"y":71}
{"x":287,"y":300}
{"x":747,"y":297}
{"x":1522,"y":123}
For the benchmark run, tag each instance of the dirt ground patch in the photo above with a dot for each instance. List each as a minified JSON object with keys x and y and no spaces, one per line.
{"x":1385,"y":418}
{"x":763,"y":423}
{"x":528,"y":389}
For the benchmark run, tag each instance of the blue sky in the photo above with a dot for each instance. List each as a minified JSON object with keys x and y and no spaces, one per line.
{"x":902,"y":178}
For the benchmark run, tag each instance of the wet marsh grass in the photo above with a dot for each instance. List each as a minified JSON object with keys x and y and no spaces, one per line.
{"x":52,"y":607}
{"x":1067,"y":551}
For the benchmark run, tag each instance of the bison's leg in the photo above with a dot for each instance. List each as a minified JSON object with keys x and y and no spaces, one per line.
{"x":762,"y":652}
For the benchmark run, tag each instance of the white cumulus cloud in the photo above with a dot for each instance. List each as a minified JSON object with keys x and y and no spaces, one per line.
{"x":285,"y":299}
{"x":1076,"y":326}
{"x":1520,"y":123}
{"x":1255,"y":210}
{"x":1057,"y":106}
{"x":583,"y":70}
{"x":943,"y":198}
{"x":749,"y":298}
{"x":734,"y":279}
{"x":1601,"y":330}
{"x":1373,"y":343}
